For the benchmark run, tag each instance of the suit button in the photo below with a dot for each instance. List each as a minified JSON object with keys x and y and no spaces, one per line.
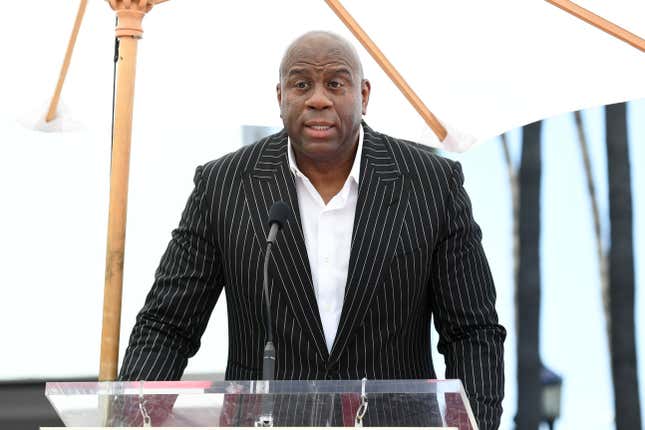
{"x":331,"y":371}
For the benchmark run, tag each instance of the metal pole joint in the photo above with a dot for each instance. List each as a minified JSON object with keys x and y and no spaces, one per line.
{"x":130,"y":14}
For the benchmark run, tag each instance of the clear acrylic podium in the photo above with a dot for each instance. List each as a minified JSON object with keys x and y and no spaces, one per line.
{"x":187,"y":404}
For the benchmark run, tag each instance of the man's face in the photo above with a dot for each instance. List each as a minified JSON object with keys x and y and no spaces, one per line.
{"x":322,"y":98}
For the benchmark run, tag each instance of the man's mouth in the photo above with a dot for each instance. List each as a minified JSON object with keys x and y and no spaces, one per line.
{"x":319,"y":124}
{"x":319,"y":129}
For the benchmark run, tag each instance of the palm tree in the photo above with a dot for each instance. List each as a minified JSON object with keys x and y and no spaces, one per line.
{"x":601,"y":249}
{"x":595,"y":212}
{"x":515,"y":202}
{"x":621,"y":272}
{"x":529,"y":406}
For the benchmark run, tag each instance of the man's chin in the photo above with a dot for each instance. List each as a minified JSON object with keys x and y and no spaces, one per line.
{"x":319,"y":150}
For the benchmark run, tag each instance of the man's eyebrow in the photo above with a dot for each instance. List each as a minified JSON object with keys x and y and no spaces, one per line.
{"x":342,"y":71}
{"x":296,"y":71}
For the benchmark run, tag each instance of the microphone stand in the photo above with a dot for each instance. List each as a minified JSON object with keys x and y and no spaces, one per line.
{"x":268,"y":362}
{"x":278,"y":216}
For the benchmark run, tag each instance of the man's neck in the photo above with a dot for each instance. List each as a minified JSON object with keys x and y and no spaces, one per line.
{"x":328,"y":177}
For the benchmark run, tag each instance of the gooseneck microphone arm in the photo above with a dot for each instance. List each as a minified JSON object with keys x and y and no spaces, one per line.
{"x":268,"y":360}
{"x":278,"y":216}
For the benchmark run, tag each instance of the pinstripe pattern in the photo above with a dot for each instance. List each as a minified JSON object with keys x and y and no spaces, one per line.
{"x":415,"y":253}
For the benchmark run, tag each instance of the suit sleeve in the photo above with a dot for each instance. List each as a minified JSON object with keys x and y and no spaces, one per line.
{"x":470,"y":337}
{"x":187,"y":285}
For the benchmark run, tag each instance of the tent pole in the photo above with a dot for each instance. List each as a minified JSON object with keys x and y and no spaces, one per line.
{"x":53,"y":105}
{"x":128,"y":31}
{"x":600,"y":22}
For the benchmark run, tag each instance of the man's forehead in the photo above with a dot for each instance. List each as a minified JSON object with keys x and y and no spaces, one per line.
{"x":319,"y":55}
{"x":320,"y":51}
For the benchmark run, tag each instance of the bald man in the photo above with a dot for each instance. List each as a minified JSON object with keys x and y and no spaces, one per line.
{"x":381,"y":240}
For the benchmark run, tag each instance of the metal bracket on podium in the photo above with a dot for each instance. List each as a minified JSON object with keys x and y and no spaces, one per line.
{"x":142,"y":408}
{"x":266,"y":418}
{"x":362,"y":408}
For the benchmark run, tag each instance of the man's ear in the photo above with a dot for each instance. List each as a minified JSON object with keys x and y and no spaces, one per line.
{"x":366,"y":87}
{"x":278,"y":91}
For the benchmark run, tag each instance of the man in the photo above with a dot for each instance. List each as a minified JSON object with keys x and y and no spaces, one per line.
{"x":381,"y":239}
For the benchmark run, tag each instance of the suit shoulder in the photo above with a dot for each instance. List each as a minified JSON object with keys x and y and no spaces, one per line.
{"x":234,"y":164}
{"x":421,"y":160}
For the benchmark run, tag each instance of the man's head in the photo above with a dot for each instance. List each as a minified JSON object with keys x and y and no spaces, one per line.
{"x":322,"y":96}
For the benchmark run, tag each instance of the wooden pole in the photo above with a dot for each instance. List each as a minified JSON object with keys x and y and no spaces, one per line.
{"x":600,"y":22}
{"x":128,"y":31}
{"x":388,"y":68}
{"x":118,"y":208}
{"x":53,"y":104}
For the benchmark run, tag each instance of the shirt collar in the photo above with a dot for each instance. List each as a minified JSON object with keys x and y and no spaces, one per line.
{"x":354,"y":173}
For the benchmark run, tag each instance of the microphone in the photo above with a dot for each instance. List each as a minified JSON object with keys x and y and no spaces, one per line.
{"x":278,"y":216}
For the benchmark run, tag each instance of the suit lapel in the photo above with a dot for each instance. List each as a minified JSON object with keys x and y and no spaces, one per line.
{"x":271,"y":180}
{"x":382,"y":199}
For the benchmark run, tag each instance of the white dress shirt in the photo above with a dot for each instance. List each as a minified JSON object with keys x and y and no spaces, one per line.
{"x":328,"y":237}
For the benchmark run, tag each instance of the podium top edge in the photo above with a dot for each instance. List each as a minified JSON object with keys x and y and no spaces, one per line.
{"x":253,"y":387}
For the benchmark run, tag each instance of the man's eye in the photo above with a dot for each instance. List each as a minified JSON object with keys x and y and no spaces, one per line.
{"x":301,"y":85}
{"x":335,"y":84}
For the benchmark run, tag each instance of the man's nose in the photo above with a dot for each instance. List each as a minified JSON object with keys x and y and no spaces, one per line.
{"x":319,"y":99}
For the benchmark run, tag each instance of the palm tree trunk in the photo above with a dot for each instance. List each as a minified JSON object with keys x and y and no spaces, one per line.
{"x":515,"y":207}
{"x":529,"y":408}
{"x":515,"y":203}
{"x":621,"y":272}
{"x":595,"y":212}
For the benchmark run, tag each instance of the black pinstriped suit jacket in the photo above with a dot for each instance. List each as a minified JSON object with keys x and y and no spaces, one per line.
{"x":415,"y":254}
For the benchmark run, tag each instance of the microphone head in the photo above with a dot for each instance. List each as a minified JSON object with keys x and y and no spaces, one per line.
{"x":279,"y":213}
